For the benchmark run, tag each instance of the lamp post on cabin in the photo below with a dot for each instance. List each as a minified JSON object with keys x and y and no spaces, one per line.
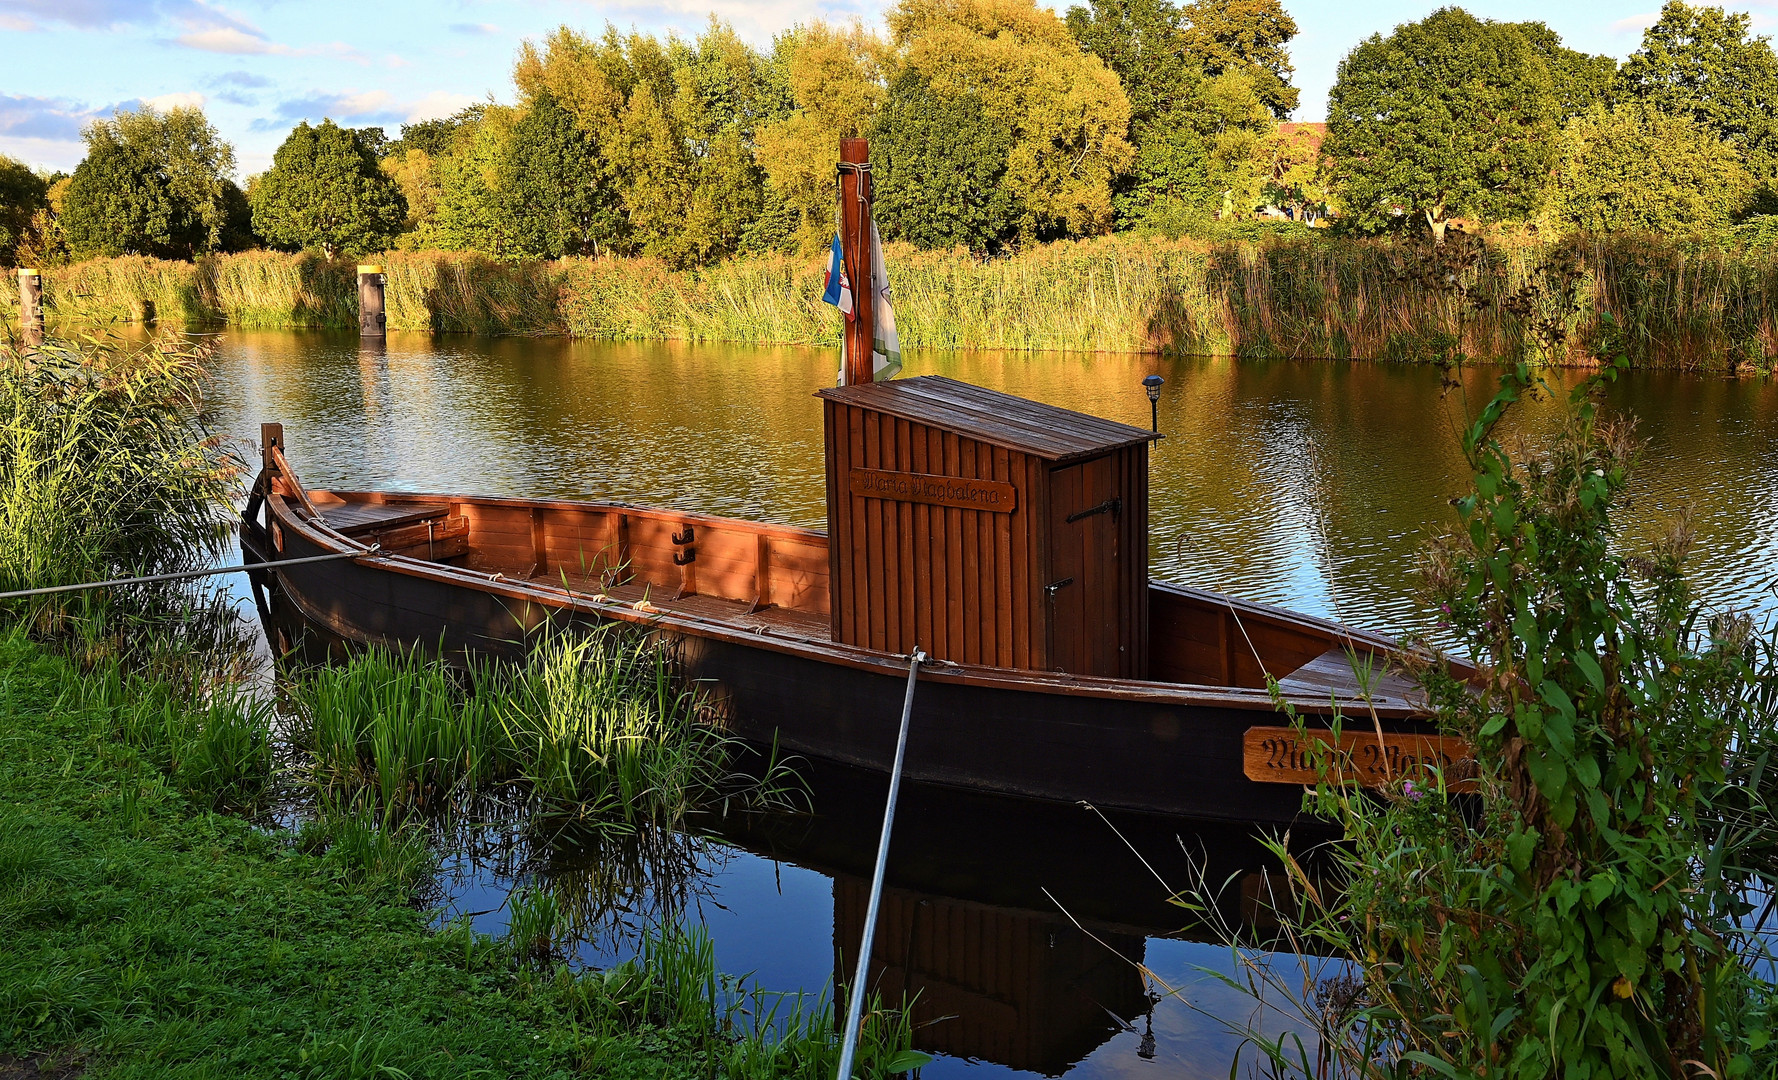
{"x":1153,"y":385}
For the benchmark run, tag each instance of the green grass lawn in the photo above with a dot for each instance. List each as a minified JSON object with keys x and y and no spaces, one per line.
{"x":142,"y":934}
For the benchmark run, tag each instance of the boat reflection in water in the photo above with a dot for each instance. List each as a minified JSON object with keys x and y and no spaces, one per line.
{"x":1019,"y":929}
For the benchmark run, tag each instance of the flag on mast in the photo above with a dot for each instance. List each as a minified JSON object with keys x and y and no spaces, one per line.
{"x":885,"y":343}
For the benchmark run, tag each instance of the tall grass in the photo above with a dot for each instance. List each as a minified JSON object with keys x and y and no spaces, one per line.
{"x":1295,"y":295}
{"x":745,"y":1031}
{"x":597,"y":727}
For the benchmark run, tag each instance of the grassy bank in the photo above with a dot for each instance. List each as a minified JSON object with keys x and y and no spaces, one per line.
{"x":148,"y":934}
{"x":1291,"y":295}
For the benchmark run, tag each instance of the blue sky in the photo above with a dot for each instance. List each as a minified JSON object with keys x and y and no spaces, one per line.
{"x":259,"y":66}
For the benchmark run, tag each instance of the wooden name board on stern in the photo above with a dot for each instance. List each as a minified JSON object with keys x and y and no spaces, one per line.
{"x":1281,"y":755}
{"x":961,"y":492}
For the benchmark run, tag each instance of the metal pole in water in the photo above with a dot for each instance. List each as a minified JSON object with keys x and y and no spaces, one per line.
{"x":855,"y":998}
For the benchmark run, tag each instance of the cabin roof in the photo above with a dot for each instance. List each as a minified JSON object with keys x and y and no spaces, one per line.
{"x":1030,"y":427}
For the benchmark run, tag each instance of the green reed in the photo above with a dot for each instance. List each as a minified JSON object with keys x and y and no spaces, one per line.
{"x":1290,"y":293}
{"x":598,"y":726}
{"x":373,"y":846}
{"x":745,"y":1031}
{"x":104,"y":469}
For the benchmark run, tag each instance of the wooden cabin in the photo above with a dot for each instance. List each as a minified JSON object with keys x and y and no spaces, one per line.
{"x":986,"y":529}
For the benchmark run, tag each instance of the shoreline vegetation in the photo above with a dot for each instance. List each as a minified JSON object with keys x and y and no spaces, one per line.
{"x":202,"y":875}
{"x":1286,"y":293}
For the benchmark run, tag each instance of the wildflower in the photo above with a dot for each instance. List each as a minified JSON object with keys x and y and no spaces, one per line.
{"x":1412,"y":792}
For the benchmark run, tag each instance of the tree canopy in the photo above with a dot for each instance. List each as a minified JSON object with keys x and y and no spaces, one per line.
{"x":1638,"y":168}
{"x":1704,"y":63}
{"x":325,"y":191}
{"x":22,"y":195}
{"x":938,"y":162}
{"x":152,"y":183}
{"x":1066,"y":110}
{"x":1452,"y":115}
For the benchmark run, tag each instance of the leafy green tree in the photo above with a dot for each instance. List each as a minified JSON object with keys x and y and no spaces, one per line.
{"x":557,"y":191}
{"x":471,"y":211}
{"x":324,"y":190}
{"x":1703,"y":62}
{"x":1637,"y":168}
{"x":153,"y":183}
{"x":823,"y":84}
{"x":1452,"y":115}
{"x":1143,"y":42}
{"x":119,"y":203}
{"x":1247,"y":36}
{"x":1579,"y":80}
{"x":22,"y":195}
{"x":938,"y":161}
{"x":1067,"y":112}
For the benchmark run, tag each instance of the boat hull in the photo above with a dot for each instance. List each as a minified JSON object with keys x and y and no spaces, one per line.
{"x":1136,"y":748}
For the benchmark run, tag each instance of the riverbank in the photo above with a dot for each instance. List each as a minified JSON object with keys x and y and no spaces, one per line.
{"x":1293,"y":294}
{"x":147,"y":935}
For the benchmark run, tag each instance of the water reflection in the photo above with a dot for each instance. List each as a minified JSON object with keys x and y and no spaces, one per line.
{"x":1311,"y":484}
{"x":1308,"y":484}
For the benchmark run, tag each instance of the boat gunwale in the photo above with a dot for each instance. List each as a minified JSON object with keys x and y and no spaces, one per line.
{"x":1203,"y":695}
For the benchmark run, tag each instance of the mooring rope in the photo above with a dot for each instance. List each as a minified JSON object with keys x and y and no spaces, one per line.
{"x":855,"y":1006}
{"x":269,"y":565}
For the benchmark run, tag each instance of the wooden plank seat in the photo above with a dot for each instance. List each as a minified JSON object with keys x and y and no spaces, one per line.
{"x":1331,"y":673}
{"x":775,"y":620}
{"x":357,"y":517}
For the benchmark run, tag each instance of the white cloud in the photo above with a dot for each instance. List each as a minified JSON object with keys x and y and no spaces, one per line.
{"x":474,"y":29}
{"x":438,"y":105}
{"x":63,"y":154}
{"x":231,"y":40}
{"x":184,"y":99}
{"x":1635,"y":24}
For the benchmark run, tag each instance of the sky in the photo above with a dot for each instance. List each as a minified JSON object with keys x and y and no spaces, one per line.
{"x":260,"y":66}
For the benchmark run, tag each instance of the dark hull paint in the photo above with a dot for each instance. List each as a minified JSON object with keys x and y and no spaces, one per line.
{"x":1021,"y":738}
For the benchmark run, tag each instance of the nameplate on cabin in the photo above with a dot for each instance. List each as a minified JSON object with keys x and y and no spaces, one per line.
{"x":961,"y":492}
{"x":1280,"y":755}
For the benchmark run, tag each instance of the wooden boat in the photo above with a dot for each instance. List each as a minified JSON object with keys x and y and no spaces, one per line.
{"x":1006,"y":538}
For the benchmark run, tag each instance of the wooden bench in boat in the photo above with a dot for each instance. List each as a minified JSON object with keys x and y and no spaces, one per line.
{"x":356,"y":517}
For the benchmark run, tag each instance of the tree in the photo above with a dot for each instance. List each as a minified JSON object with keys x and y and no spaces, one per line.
{"x":324,"y":190}
{"x":674,"y":123}
{"x":1247,"y":36}
{"x":1703,"y":63}
{"x":119,"y":203}
{"x":1067,"y":112}
{"x":557,"y":190}
{"x":827,"y":85}
{"x":1579,"y":80}
{"x":938,"y":161}
{"x":1143,"y":42}
{"x":1637,"y":168}
{"x":1452,"y":115}
{"x":22,"y":195}
{"x":153,"y":183}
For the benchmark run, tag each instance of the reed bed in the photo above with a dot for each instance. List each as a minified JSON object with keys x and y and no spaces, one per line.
{"x":594,"y":727}
{"x":1289,"y":294}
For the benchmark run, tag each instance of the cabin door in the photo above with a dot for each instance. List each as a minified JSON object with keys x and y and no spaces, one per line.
{"x":1082,"y":594}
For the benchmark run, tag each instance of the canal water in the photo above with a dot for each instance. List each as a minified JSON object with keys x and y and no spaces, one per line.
{"x":1039,"y":938}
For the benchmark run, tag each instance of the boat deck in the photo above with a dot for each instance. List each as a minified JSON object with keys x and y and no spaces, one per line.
{"x":771,"y":620}
{"x":1329,"y":674}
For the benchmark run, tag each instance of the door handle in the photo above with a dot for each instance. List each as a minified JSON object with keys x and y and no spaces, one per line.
{"x":1109,"y":506}
{"x":1055,"y":587}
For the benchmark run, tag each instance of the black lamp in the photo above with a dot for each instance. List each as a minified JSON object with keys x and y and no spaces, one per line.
{"x":1153,"y":384}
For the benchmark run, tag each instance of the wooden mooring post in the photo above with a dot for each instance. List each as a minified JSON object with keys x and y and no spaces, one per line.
{"x":31,"y":306}
{"x":371,"y":323}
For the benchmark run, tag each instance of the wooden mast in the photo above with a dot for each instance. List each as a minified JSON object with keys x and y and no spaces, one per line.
{"x":855,"y":199}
